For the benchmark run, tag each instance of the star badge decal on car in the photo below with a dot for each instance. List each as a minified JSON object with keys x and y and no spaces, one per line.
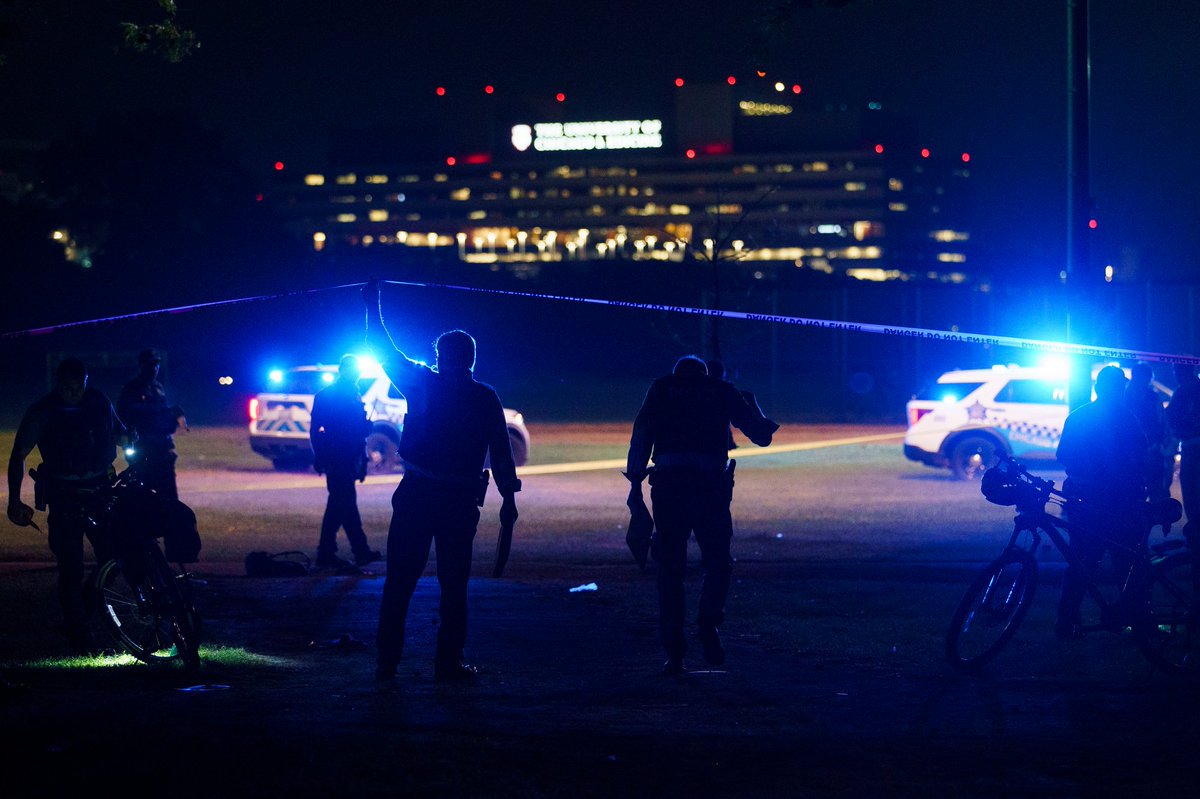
{"x":977,"y":412}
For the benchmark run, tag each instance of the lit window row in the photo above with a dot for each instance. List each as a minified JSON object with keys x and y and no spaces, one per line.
{"x":348,"y":179}
{"x":516,"y":192}
{"x":493,"y":241}
{"x":648,"y":209}
{"x":579,"y":173}
{"x":876,"y":275}
{"x":495,"y":245}
{"x":880,"y":275}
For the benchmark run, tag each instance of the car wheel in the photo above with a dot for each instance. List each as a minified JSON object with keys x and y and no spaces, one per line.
{"x":381,"y":452}
{"x":972,"y":456}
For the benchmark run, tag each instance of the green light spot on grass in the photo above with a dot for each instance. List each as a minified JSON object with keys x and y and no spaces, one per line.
{"x":225,"y":656}
{"x":237,"y":656}
{"x":80,"y":662}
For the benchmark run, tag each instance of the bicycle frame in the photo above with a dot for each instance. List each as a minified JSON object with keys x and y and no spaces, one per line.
{"x":1040,"y":524}
{"x":1156,"y":592}
{"x":146,"y":605}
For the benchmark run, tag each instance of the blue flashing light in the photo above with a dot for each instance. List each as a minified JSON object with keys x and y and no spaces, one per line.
{"x":948,"y":398}
{"x":275,"y":375}
{"x":327,"y":377}
{"x":367,"y":363}
{"x":1059,"y":366}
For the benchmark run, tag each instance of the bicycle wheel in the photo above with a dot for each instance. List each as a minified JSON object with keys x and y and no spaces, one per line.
{"x":175,"y":603}
{"x":991,"y":610}
{"x":1167,"y":629}
{"x":149,"y":617}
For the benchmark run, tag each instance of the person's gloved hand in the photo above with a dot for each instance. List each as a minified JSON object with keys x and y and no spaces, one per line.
{"x":508,"y":511}
{"x":634,"y":500}
{"x":20,"y":514}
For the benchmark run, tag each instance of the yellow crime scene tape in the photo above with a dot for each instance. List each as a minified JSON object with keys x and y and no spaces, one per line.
{"x":774,"y":449}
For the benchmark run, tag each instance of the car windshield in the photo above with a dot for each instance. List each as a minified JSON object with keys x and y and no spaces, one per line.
{"x":1041,"y":392}
{"x":308,"y":381}
{"x":302,"y":382}
{"x":947,"y":392}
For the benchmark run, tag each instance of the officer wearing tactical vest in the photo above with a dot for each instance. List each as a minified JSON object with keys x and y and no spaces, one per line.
{"x":683,"y":426}
{"x":452,"y":424}
{"x":76,"y":430}
{"x":142,"y":406}
{"x":1183,"y":413}
{"x":1103,"y":451}
{"x":338,"y":435}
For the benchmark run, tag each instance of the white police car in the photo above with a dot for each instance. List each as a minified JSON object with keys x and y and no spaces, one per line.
{"x":970,"y":416}
{"x":280,"y":418}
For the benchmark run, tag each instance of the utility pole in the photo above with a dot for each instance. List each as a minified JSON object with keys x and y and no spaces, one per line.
{"x":1080,"y":284}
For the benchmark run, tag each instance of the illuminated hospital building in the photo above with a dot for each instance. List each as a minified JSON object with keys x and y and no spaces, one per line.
{"x":710,"y":171}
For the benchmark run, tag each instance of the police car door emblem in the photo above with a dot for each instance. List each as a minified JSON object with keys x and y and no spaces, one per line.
{"x":977,"y":412}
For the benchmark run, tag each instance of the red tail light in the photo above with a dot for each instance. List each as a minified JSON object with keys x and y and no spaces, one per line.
{"x":915,"y":414}
{"x":253,"y":409}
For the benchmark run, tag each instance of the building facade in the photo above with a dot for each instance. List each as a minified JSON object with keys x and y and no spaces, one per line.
{"x":716,"y":173}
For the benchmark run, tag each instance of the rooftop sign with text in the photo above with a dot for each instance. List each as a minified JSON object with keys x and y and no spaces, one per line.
{"x":628,"y":134}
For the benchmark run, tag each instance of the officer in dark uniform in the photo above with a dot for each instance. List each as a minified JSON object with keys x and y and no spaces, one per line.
{"x":1183,"y":414}
{"x":683,"y":426}
{"x":142,"y":405}
{"x":1147,"y":406}
{"x":76,"y":430}
{"x":338,"y":434}
{"x":1104,"y":453}
{"x":453,"y":423}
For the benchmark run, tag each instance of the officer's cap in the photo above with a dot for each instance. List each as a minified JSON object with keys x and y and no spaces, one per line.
{"x":149,"y":356}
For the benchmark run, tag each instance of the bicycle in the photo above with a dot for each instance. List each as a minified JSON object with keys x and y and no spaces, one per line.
{"x":145,"y":604}
{"x":1158,"y":593}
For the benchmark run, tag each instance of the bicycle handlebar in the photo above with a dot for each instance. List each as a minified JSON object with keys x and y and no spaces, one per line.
{"x":1040,"y":483}
{"x":133,"y":465}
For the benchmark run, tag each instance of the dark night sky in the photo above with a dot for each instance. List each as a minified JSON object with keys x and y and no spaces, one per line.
{"x":988,"y":78}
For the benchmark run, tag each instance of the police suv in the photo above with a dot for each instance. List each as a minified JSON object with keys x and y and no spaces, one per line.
{"x":280,"y":418}
{"x":970,"y":416}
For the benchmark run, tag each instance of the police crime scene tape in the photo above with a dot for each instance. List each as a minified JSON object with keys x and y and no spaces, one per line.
{"x":918,"y":333}
{"x":1113,"y":353}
